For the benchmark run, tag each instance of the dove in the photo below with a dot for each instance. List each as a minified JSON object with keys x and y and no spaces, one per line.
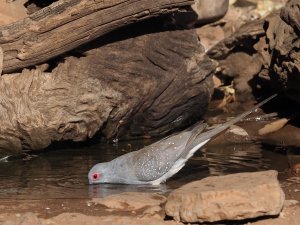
{"x":157,"y":162}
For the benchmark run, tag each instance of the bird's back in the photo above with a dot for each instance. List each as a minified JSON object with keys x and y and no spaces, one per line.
{"x":154,"y":161}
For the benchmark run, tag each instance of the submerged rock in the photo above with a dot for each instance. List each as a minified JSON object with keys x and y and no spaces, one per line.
{"x":231,"y":197}
{"x":236,"y":134}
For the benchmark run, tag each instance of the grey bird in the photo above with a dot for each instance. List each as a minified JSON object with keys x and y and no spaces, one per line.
{"x":155,"y":163}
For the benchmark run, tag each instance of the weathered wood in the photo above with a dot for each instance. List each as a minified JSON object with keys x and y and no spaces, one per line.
{"x":241,"y":57}
{"x":283,"y":35}
{"x":249,"y":31}
{"x":264,"y":54}
{"x":66,"y":24}
{"x":148,"y":85}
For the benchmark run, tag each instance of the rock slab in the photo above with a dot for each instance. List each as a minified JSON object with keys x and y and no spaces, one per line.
{"x":231,"y":197}
{"x":149,"y":204}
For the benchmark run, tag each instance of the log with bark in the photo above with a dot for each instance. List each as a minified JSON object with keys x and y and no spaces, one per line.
{"x":147,"y":85}
{"x":67,"y":24}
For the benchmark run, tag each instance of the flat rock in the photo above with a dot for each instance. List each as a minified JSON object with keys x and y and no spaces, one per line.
{"x":79,"y":219}
{"x":231,"y":197}
{"x":147,"y":203}
{"x":289,"y":216}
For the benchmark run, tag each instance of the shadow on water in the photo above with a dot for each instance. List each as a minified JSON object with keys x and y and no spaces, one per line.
{"x":63,"y":173}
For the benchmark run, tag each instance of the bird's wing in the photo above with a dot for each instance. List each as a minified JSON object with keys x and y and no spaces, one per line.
{"x":153,"y":161}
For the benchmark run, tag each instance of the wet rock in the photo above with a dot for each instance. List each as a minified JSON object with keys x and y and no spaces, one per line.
{"x":283,"y":137}
{"x":148,"y":203}
{"x":236,"y":134}
{"x":231,"y":197}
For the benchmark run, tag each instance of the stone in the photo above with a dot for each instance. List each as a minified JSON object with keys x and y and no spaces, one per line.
{"x":236,"y":134}
{"x":148,"y":203}
{"x":131,"y":200}
{"x":25,"y":219}
{"x":289,"y":216}
{"x":79,"y":219}
{"x":231,"y":197}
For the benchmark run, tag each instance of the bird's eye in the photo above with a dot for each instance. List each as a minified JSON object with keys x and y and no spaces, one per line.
{"x":96,"y":176}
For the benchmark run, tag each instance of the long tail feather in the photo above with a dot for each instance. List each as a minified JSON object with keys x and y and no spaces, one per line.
{"x":211,"y":133}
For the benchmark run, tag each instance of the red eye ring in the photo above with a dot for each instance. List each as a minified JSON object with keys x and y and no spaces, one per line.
{"x":96,"y":176}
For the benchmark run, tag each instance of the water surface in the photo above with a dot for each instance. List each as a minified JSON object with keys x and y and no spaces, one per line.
{"x":62,"y":173}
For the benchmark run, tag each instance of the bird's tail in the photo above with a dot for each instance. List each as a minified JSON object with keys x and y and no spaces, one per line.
{"x":204,"y":137}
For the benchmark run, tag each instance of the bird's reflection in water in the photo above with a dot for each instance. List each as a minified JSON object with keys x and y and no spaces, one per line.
{"x":104,"y":190}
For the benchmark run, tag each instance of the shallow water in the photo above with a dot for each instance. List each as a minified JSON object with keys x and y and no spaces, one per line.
{"x":63,"y":173}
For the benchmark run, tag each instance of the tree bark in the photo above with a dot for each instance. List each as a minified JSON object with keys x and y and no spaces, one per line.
{"x":67,"y":24}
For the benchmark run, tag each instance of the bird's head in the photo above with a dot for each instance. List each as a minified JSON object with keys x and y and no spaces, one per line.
{"x":98,"y":173}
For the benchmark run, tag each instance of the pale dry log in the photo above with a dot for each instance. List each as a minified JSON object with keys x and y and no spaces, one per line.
{"x":148,"y":85}
{"x":67,"y":24}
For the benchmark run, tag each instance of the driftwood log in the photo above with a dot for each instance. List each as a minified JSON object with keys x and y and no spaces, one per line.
{"x":67,"y":24}
{"x":147,"y":85}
